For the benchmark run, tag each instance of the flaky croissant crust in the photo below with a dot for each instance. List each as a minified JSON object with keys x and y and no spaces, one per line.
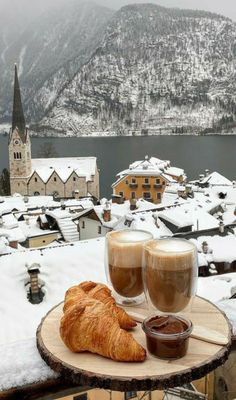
{"x":102,"y":293}
{"x":91,"y":325}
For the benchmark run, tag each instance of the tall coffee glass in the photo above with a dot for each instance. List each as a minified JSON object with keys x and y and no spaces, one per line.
{"x":124,"y":262}
{"x":170,"y":273}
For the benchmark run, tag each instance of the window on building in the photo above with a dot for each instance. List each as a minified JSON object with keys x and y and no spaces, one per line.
{"x":83,"y":224}
{"x":15,"y":156}
{"x":146,"y":195}
{"x":74,"y":178}
{"x":121,"y":194}
{"x":55,"y":178}
{"x":133,"y":180}
{"x":133,"y":195}
{"x":99,"y":230}
{"x":19,"y":156}
{"x":158,"y":181}
{"x":159,"y":196}
{"x":163,"y":183}
{"x":127,"y":182}
{"x":18,"y":184}
{"x":36,"y":179}
{"x":130,"y":395}
{"x":83,"y":396}
{"x":146,"y":180}
{"x":36,"y":194}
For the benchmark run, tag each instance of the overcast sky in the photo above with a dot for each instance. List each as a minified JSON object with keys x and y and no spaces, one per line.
{"x":225,"y":7}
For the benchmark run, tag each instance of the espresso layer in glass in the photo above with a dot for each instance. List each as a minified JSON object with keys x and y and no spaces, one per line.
{"x":126,"y":281}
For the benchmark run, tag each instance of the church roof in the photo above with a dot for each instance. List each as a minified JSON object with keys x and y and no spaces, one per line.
{"x":82,"y":166}
{"x":18,"y":119}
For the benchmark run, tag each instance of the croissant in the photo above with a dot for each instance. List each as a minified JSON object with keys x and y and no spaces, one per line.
{"x":90,"y":325}
{"x":102,"y":293}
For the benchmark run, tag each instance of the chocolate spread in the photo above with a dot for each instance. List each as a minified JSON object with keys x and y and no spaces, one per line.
{"x":162,"y":336}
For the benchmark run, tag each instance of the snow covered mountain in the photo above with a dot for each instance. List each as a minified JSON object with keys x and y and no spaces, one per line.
{"x":44,"y":46}
{"x":157,"y":69}
{"x":144,"y":69}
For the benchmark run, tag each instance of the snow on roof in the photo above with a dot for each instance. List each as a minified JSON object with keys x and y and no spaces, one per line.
{"x":217,"y":287}
{"x":176,"y":216}
{"x":174,"y":171}
{"x":229,"y":308}
{"x":32,"y":229}
{"x":58,"y":213}
{"x":9,"y":221}
{"x":145,"y":222}
{"x":61,"y":267}
{"x":216,"y":179}
{"x":13,"y":234}
{"x":17,"y":203}
{"x":82,"y":166}
{"x":223,"y":247}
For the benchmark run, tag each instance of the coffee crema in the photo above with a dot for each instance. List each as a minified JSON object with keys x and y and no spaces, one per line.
{"x":125,"y":258}
{"x":171,"y":273}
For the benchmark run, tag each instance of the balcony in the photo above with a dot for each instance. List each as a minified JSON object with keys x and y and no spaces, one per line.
{"x":157,"y":186}
{"x":133,"y":185}
{"x":146,"y":185}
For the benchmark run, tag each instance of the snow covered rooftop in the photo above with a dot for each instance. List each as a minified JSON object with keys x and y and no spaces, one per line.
{"x":216,"y":179}
{"x":82,"y":166}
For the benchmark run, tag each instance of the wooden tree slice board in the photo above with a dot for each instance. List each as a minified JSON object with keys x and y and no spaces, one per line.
{"x":96,"y":371}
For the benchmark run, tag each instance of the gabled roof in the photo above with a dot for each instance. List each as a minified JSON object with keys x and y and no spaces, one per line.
{"x":84,"y":167}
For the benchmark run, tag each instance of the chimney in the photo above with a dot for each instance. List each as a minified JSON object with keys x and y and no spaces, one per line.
{"x":35,"y":294}
{"x":26,"y":199}
{"x":205,"y":247}
{"x":182,"y":192}
{"x":201,"y":177}
{"x":107,"y":212}
{"x":133,"y":204}
{"x":207,"y":172}
{"x":13,"y":243}
{"x":27,"y":220}
{"x":189,"y":189}
{"x":221,"y":227}
{"x":63,"y":206}
{"x":117,"y":199}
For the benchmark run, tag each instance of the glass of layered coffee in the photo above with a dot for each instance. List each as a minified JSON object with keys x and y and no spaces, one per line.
{"x":124,"y":263}
{"x":170,"y":273}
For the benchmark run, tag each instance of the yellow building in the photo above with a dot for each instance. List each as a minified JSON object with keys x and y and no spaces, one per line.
{"x":147,"y":179}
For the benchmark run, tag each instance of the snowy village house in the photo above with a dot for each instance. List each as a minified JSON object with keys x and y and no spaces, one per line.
{"x":63,"y":177}
{"x":147,"y":179}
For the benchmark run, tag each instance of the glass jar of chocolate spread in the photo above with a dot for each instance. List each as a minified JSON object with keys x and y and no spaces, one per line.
{"x":167,"y":336}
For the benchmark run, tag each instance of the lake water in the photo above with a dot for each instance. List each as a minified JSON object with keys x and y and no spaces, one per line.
{"x":192,"y":153}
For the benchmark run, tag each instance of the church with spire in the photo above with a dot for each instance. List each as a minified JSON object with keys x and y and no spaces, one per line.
{"x":62,"y":177}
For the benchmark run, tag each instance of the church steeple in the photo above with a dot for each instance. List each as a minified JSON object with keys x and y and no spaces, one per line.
{"x":18,"y":119}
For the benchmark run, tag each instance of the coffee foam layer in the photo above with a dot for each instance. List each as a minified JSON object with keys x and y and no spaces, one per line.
{"x":171,"y":254}
{"x":131,"y":236}
{"x":171,"y":246}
